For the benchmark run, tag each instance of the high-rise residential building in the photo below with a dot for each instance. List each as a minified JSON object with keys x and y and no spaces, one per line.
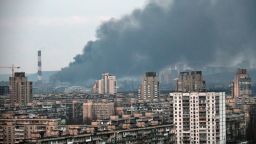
{"x":199,"y":117}
{"x":241,"y":92}
{"x":106,"y":85}
{"x":149,"y":88}
{"x":109,"y":83}
{"x":241,"y":85}
{"x":93,"y":111}
{"x":96,"y":88}
{"x":191,"y":81}
{"x":20,"y":89}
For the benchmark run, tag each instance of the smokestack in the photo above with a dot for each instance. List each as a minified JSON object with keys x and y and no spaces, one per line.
{"x":39,"y":64}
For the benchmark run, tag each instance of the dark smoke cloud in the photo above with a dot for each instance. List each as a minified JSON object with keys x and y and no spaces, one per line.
{"x":196,"y":32}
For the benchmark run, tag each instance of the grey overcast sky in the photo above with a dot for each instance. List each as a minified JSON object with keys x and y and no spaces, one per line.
{"x":60,"y":28}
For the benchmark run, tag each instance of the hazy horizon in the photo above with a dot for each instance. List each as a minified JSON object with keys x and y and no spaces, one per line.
{"x":84,"y":39}
{"x":59,"y":28}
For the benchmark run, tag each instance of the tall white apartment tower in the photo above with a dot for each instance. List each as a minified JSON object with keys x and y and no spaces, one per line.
{"x":106,"y":85}
{"x":111,"y":84}
{"x":199,"y":117}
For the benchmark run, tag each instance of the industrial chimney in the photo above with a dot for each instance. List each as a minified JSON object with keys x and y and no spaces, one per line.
{"x":39,"y":64}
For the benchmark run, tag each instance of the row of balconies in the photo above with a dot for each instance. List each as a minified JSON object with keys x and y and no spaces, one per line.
{"x":160,"y":132}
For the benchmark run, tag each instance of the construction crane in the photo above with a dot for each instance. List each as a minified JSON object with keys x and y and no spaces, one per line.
{"x":11,"y":67}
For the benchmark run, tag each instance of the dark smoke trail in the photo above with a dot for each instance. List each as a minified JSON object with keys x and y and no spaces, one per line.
{"x":198,"y":33}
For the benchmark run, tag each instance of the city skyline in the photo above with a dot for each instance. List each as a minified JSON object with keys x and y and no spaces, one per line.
{"x":128,"y":72}
{"x":190,"y":113}
{"x":45,"y":15}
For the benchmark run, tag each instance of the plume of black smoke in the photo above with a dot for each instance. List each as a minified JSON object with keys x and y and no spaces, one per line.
{"x":198,"y":33}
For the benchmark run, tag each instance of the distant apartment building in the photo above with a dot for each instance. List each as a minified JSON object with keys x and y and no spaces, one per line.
{"x":17,"y":129}
{"x":241,"y":86}
{"x":77,"y":112}
{"x":93,"y":111}
{"x":165,"y":77}
{"x":96,"y":88}
{"x":106,"y":85}
{"x":20,"y":89}
{"x":4,"y":90}
{"x":74,"y":89}
{"x":149,"y":88}
{"x":191,"y":81}
{"x":241,"y":106}
{"x":199,"y":117}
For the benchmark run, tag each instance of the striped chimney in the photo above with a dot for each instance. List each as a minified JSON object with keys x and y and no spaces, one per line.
{"x":39,"y":64}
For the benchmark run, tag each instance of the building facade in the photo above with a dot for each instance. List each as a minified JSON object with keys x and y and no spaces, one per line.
{"x":20,"y":89}
{"x":106,"y":85}
{"x":241,"y":86}
{"x":199,"y":117}
{"x":191,"y":81}
{"x":77,"y":112}
{"x":4,"y":90}
{"x":17,"y":129}
{"x":149,"y":88}
{"x":93,"y":111}
{"x":151,"y":134}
